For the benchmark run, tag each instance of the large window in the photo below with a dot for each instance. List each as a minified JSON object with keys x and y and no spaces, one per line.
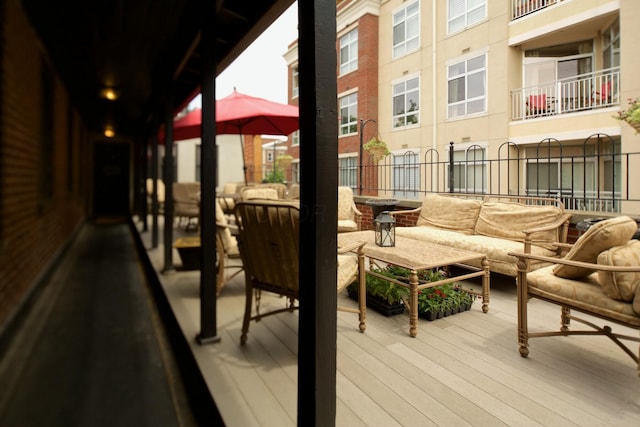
{"x":470,"y":170}
{"x":295,"y":138}
{"x":467,"y":87}
{"x":406,"y":29}
{"x":611,"y":45}
{"x":349,"y":114}
{"x":347,"y":171}
{"x":464,"y":13}
{"x":406,"y":102}
{"x":294,"y":82}
{"x":406,"y":175}
{"x":349,"y":52}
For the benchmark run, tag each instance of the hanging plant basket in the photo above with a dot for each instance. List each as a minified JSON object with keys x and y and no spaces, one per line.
{"x":284,"y":162}
{"x":377,"y":148}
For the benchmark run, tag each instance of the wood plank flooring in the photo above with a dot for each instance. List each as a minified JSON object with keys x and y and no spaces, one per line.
{"x":460,"y":370}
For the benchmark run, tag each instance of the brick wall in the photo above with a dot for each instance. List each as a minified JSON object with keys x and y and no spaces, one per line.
{"x":40,"y":195}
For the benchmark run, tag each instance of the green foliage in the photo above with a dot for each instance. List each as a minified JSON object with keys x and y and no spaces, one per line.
{"x":435,"y":299}
{"x":275,"y":175}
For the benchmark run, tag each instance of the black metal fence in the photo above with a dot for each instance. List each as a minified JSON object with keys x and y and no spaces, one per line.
{"x":593,"y":175}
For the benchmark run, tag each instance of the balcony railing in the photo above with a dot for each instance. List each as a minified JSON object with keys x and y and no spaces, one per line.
{"x":590,"y":91}
{"x":521,"y":8}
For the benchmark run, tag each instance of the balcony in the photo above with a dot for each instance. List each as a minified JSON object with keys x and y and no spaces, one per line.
{"x":600,"y":89}
{"x":522,"y":8}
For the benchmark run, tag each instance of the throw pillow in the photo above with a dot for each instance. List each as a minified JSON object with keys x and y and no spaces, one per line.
{"x":620,"y":285}
{"x":599,"y":237}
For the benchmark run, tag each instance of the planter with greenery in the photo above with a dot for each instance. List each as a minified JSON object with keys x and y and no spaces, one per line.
{"x":377,"y":148}
{"x":433,"y":303}
{"x":631,"y":114}
{"x":383,"y":296}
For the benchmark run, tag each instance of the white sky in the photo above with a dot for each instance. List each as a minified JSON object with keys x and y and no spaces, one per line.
{"x":261,"y":69}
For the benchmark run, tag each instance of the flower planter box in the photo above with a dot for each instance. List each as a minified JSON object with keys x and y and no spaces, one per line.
{"x":380,"y":305}
{"x":430,"y":315}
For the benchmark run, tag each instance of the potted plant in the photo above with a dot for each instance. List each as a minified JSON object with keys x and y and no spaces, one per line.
{"x":383,"y":296}
{"x":631,"y":114}
{"x":377,"y":148}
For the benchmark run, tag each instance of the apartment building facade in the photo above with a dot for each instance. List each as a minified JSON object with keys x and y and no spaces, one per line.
{"x":519,"y":95}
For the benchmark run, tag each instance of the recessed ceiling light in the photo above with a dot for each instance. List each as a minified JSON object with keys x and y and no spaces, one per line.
{"x":109,"y":93}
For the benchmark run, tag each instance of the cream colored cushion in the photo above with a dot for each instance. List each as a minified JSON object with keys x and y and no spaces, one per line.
{"x":509,"y":220}
{"x":230,"y":243}
{"x":585,"y":293}
{"x":347,"y":269}
{"x":449,"y":213}
{"x":261,"y":193}
{"x":620,"y":285}
{"x":345,"y":200}
{"x":599,"y":237}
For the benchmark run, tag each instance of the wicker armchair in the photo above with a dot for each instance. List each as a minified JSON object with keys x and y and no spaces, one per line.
{"x":269,"y":246}
{"x":349,"y":217}
{"x":185,"y":203}
{"x":226,"y":249}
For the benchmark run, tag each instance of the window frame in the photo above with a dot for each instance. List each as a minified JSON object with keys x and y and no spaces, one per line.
{"x":467,"y":100}
{"x":465,"y":14}
{"x":465,"y":149}
{"x":350,"y":127}
{"x":348,"y":173}
{"x":350,"y":42}
{"x":407,"y":18}
{"x":406,"y":175}
{"x":407,"y":118}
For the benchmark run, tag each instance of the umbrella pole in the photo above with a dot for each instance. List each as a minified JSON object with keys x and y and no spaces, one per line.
{"x":244,"y":164}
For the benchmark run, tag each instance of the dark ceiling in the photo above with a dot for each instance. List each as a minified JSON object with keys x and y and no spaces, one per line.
{"x":147,"y":50}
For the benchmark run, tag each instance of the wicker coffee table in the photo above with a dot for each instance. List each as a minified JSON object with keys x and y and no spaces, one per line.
{"x":418,"y":255}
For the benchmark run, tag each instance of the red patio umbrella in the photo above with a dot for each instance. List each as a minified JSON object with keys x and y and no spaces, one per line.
{"x":241,"y":114}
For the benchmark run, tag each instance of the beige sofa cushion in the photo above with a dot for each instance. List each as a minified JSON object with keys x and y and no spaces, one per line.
{"x":620,"y":285}
{"x":449,"y":213}
{"x":508,"y":220}
{"x":599,"y":237}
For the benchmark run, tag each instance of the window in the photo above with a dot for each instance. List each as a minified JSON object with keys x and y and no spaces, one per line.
{"x":349,"y":52}
{"x":406,"y":102}
{"x":467,"y":87}
{"x":464,"y":13}
{"x":295,"y":172}
{"x":406,"y":29}
{"x":347,"y":171}
{"x":611,"y":45}
{"x":295,"y":138}
{"x":470,"y":170}
{"x":406,"y":175}
{"x":349,"y":114}
{"x":294,"y":82}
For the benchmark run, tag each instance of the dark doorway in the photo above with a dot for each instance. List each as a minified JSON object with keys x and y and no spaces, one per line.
{"x":111,"y":180}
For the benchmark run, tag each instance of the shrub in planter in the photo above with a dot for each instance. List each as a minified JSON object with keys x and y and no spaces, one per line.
{"x":383,"y":296}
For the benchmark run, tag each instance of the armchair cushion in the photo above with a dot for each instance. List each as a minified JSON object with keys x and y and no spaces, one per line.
{"x":347,"y":269}
{"x":620,"y":285}
{"x":599,"y":237}
{"x":450,"y":213}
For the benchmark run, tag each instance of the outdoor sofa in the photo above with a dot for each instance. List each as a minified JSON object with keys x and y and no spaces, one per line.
{"x":492,"y":225}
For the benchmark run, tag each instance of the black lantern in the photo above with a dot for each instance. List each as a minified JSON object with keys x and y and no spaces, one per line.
{"x":385,"y":227}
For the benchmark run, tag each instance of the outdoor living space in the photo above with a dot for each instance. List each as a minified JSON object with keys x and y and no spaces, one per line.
{"x":460,"y":370}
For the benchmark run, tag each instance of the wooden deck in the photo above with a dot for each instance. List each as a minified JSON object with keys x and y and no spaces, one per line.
{"x":460,"y":370}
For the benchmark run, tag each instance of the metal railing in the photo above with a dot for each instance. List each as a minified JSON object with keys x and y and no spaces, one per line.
{"x":589,"y":91}
{"x":593,"y":178}
{"x":520,"y":8}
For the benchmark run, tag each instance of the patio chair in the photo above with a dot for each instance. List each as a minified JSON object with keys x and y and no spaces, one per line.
{"x":185,"y":203}
{"x":269,"y":243}
{"x":537,"y":104}
{"x":226,"y":249}
{"x":599,"y":277}
{"x":349,"y":217}
{"x":161,"y":191}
